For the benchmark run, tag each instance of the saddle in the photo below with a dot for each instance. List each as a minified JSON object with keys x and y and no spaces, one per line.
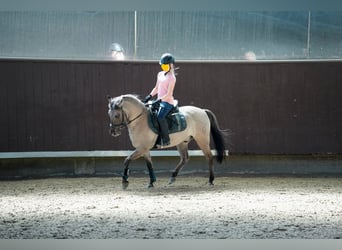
{"x":175,"y":119}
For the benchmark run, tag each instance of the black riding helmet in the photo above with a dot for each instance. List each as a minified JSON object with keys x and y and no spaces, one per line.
{"x":166,"y":58}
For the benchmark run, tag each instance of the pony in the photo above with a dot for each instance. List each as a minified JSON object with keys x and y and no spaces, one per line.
{"x":128,"y":111}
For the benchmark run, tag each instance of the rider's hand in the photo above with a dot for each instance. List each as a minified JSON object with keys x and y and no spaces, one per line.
{"x":147,"y":98}
{"x":156,"y":102}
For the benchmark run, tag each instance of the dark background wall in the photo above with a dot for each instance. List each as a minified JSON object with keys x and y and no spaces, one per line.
{"x":271,"y":107}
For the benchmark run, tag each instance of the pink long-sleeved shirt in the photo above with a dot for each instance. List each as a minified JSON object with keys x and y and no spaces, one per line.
{"x":164,"y":87}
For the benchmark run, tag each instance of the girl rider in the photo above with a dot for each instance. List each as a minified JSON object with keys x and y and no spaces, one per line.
{"x":166,"y":80}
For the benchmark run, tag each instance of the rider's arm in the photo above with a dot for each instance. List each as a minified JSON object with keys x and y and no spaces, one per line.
{"x":155,"y":89}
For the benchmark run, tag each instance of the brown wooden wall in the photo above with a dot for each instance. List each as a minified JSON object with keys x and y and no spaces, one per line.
{"x":271,"y":107}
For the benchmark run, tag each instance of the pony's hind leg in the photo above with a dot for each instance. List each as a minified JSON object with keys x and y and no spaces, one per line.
{"x":184,"y":158}
{"x":210,"y":158}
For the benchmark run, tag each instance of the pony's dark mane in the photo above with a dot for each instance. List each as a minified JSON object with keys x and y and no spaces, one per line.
{"x":136,"y":97}
{"x":133,"y":98}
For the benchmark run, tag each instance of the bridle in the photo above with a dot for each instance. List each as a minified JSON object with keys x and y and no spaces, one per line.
{"x":124,"y":118}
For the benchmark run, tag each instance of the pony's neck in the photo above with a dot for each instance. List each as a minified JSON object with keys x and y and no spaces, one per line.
{"x":133,"y":106}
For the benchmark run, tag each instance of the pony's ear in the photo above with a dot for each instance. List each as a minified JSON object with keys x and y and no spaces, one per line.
{"x":109,"y":98}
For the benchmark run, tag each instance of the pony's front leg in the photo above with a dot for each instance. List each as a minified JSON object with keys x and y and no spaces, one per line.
{"x":136,"y":154}
{"x":125,"y":173}
{"x":150,"y":170}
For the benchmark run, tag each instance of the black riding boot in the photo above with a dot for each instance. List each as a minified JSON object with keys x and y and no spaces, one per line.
{"x":164,"y":133}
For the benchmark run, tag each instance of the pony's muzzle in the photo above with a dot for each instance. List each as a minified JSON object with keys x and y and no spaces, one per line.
{"x":113,"y":132}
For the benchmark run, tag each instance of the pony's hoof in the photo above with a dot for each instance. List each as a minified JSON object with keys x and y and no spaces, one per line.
{"x":172,"y":180}
{"x":211,"y":184}
{"x":150,"y":185}
{"x":125,"y":184}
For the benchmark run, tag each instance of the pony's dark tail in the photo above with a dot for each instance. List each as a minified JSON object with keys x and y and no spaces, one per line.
{"x":218,"y":136}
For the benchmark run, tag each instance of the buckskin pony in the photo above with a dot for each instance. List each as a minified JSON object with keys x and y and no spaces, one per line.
{"x":129,"y":111}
